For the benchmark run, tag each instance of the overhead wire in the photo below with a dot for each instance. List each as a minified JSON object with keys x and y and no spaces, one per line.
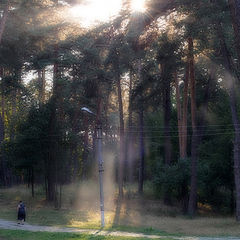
{"x":176,"y":126}
{"x":173,"y":131}
{"x":154,"y":133}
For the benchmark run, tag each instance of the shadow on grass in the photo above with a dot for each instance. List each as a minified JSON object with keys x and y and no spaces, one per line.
{"x":116,"y":220}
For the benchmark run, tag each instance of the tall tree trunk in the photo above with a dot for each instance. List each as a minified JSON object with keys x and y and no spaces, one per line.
{"x":74,"y":145}
{"x":74,"y":166}
{"x":3,"y":167}
{"x":7,"y":175}
{"x":142,"y":151}
{"x":129,"y":147}
{"x":3,"y":170}
{"x":42,"y":85}
{"x":58,"y":111}
{"x":166,"y":120}
{"x":167,"y":115}
{"x":184,"y":129}
{"x":32,"y":181}
{"x":230,"y":84}
{"x":141,"y":125}
{"x":236,"y":122}
{"x":121,"y":134}
{"x":52,"y":158}
{"x":184,"y":114}
{"x":194,"y":161}
{"x":4,"y":19}
{"x":235,"y":14}
{"x":51,"y":164}
{"x":179,"y":113}
{"x":182,"y":132}
{"x":15,"y":99}
{"x":46,"y":176}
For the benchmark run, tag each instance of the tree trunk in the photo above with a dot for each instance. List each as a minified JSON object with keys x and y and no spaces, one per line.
{"x":45,"y":179}
{"x":179,"y":113}
{"x":32,"y":181}
{"x":234,"y":6}
{"x":121,"y":134}
{"x":74,"y":166}
{"x":15,"y":96}
{"x":184,"y":114}
{"x":194,"y":161}
{"x":182,"y":132}
{"x":42,"y":85}
{"x":3,"y":171}
{"x":141,"y":125}
{"x":4,"y":19}
{"x":142,"y":151}
{"x":233,"y":103}
{"x":167,"y":116}
{"x":230,"y":84}
{"x":52,"y":158}
{"x":56,"y":126}
{"x":51,"y":166}
{"x":129,"y":147}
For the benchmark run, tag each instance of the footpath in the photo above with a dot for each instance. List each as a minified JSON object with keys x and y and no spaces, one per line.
{"x":36,"y":228}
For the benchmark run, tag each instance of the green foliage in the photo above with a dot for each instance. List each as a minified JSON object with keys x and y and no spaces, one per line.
{"x":29,"y":148}
{"x":171,"y":178}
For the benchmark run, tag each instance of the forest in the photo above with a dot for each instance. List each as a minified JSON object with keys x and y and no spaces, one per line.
{"x":161,"y":81}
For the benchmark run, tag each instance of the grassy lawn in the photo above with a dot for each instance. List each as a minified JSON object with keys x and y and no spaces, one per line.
{"x":23,"y":235}
{"x":80,"y":208}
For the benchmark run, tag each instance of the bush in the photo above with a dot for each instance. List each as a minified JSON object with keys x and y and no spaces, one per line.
{"x":171,"y":178}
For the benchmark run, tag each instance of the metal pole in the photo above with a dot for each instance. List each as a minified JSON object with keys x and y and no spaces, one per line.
{"x":101,"y":170}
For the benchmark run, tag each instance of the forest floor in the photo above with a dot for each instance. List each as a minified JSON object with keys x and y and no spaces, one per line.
{"x":145,"y":215}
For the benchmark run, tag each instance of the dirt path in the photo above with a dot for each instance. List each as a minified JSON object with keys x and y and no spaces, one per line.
{"x":35,"y":228}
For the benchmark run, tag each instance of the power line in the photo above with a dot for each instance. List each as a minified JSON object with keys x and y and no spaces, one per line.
{"x":197,"y":135}
{"x":160,"y":134}
{"x":173,"y":131}
{"x":176,"y":126}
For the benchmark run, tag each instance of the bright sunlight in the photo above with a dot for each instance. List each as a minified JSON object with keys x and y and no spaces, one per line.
{"x":95,"y":11}
{"x":138,"y":5}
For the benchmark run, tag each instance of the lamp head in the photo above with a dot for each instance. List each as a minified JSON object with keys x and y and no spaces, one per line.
{"x":85,"y":109}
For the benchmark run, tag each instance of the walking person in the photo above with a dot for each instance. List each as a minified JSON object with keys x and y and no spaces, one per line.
{"x":21,"y":212}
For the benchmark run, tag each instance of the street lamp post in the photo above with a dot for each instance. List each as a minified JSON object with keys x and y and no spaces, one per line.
{"x":100,"y":164}
{"x":101,"y":170}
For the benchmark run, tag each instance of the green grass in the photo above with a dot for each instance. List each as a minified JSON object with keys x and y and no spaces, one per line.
{"x":24,"y":235}
{"x":143,"y":230}
{"x":80,"y":209}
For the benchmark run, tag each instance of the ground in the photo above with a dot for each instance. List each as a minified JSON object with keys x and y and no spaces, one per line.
{"x":127,"y":235}
{"x":144,"y":215}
